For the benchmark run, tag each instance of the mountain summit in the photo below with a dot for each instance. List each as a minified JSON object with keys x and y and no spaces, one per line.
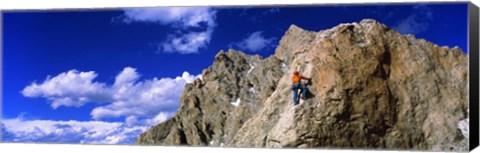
{"x":371,"y":87}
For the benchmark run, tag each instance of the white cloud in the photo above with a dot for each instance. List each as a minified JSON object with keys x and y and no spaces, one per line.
{"x":70,"y":88}
{"x":88,"y":132}
{"x":127,"y":97}
{"x":131,"y":121}
{"x":127,"y":76}
{"x":186,"y":43}
{"x":159,"y":118}
{"x":255,"y":42}
{"x":417,"y":22}
{"x":189,"y":78}
{"x":144,"y":98}
{"x":183,"y":40}
{"x":143,"y":103}
{"x":185,"y":16}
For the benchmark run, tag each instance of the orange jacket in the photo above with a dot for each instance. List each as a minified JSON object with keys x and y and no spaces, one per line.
{"x":296,"y":78}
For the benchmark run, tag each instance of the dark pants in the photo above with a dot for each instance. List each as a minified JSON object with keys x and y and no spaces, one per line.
{"x":296,"y":87}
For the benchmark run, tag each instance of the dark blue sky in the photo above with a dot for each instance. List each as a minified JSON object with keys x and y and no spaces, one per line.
{"x":37,"y":44}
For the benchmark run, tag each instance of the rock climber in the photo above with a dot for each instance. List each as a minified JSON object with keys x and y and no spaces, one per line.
{"x":297,"y":85}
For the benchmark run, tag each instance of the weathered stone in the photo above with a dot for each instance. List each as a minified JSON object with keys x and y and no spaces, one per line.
{"x":206,"y":115}
{"x":372,"y":87}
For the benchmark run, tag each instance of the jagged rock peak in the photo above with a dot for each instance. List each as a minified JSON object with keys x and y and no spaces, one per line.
{"x":371,"y":87}
{"x":232,"y":90}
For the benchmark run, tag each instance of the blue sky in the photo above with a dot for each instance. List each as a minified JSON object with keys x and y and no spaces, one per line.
{"x":105,"y":76}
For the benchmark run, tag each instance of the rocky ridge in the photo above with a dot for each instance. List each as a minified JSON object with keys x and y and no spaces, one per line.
{"x":372,"y":87}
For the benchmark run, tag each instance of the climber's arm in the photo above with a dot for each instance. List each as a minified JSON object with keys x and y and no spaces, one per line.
{"x":301,"y":76}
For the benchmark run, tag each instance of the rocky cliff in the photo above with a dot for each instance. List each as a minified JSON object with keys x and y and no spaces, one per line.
{"x":372,"y":87}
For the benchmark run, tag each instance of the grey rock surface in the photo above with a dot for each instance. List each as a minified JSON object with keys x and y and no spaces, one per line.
{"x":372,"y":87}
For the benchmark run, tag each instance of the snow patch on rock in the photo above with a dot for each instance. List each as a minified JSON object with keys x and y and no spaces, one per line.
{"x":251,"y":68}
{"x":463,"y":125}
{"x":236,"y":103}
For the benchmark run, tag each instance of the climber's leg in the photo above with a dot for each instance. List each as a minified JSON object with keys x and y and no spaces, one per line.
{"x":304,"y":91}
{"x":295,"y":96}
{"x":295,"y":92}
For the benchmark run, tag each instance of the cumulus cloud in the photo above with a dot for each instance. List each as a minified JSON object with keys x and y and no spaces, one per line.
{"x":143,"y":103}
{"x":417,"y":22}
{"x":70,"y":88}
{"x":144,"y":98}
{"x":89,"y":132}
{"x":195,"y":26}
{"x":254,"y":42}
{"x":127,"y":97}
{"x":127,"y":76}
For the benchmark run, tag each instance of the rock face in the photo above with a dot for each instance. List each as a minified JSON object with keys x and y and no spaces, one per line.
{"x":213,"y":108}
{"x":371,"y":87}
